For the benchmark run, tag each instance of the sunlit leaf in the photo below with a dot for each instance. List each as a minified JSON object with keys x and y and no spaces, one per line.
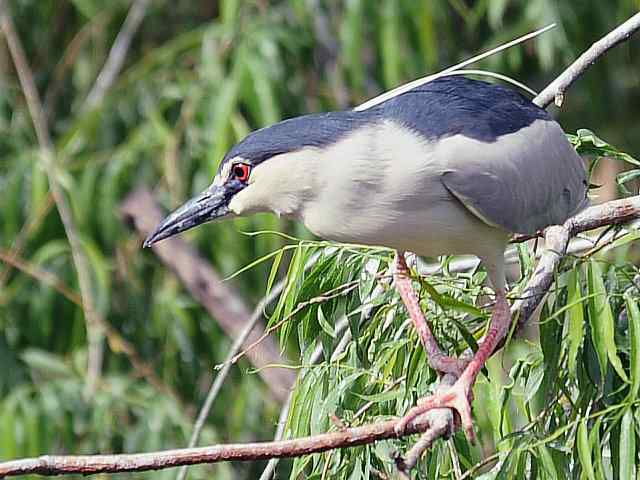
{"x":602,"y":321}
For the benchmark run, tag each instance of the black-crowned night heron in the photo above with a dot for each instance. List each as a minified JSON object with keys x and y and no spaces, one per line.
{"x":450,"y":167}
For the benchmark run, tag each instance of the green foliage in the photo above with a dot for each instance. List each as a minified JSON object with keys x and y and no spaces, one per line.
{"x":559,"y":407}
{"x":200,"y":75}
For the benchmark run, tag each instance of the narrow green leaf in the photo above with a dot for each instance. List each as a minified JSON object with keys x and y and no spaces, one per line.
{"x":390,"y":43}
{"x":229,"y":12}
{"x":382,"y":396}
{"x":584,"y":451}
{"x":633,"y":313}
{"x":275,"y":266}
{"x":602,"y":322}
{"x":624,"y":240}
{"x":324,"y":324}
{"x":265,"y":96}
{"x":596,"y":448}
{"x":575,"y":314}
{"x":627,"y":446}
{"x":368,"y":278}
{"x":46,"y":363}
{"x":447,"y":301}
{"x":330,"y":403}
{"x":351,"y":33}
{"x":628,"y":176}
{"x":547,"y":462}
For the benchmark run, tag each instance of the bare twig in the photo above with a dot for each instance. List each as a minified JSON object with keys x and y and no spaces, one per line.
{"x":48,"y":161}
{"x":421,"y":81}
{"x":218,"y":298}
{"x":21,"y":239}
{"x":11,"y":258}
{"x":608,"y":213}
{"x":556,"y":89}
{"x":118,"y":52}
{"x":92,"y":464}
{"x":557,"y":239}
{"x":116,"y":341}
{"x":256,"y":316}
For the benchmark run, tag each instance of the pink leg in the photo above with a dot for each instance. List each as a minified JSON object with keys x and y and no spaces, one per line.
{"x":459,"y":395}
{"x":436,"y":358}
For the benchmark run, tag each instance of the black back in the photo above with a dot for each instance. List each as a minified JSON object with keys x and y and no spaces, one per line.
{"x":447,"y":106}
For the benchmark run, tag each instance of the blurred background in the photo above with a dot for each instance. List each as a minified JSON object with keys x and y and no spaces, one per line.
{"x":185,"y":81}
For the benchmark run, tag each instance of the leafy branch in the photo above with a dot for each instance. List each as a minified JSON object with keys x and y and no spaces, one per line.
{"x":557,"y":237}
{"x":613,"y":212}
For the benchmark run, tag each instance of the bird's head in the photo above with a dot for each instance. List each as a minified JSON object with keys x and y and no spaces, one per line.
{"x":269,"y":170}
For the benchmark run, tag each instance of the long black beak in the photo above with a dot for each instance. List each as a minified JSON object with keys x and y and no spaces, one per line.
{"x":209,"y":205}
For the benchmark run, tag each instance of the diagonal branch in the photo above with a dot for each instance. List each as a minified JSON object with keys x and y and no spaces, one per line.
{"x":608,"y":213}
{"x":554,"y":92}
{"x":221,"y":301}
{"x":614,"y":212}
{"x":118,"y":53}
{"x":48,"y":161}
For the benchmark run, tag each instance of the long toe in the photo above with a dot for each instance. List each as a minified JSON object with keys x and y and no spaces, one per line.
{"x":457,"y":398}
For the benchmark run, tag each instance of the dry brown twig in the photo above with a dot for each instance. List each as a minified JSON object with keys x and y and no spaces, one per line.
{"x":50,"y":166}
{"x":205,"y":285}
{"x":618,"y":211}
{"x":118,"y":53}
{"x":117,"y":342}
{"x":609,"y":213}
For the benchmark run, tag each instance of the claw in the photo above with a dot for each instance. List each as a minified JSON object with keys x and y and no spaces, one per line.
{"x":458,"y":398}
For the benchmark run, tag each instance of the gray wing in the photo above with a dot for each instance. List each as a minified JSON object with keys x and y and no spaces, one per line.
{"x":522,"y":182}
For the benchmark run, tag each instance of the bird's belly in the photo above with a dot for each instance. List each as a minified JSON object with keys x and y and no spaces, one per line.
{"x":386,"y":189}
{"x":443,"y":226}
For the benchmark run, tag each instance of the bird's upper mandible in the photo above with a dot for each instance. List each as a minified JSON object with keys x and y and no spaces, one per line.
{"x":406,"y":163}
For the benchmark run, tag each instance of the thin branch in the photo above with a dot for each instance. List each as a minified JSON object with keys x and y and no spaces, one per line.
{"x":555,"y":91}
{"x":421,"y":81}
{"x":12,"y":259}
{"x":557,"y":239}
{"x":256,"y":316}
{"x":93,"y":464}
{"x":611,"y":212}
{"x":220,"y":299}
{"x":48,"y":161}
{"x":118,"y":53}
{"x":116,"y":341}
{"x":216,"y":386}
{"x":25,"y":232}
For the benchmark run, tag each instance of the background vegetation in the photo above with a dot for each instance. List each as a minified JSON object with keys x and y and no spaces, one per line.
{"x":197,"y":77}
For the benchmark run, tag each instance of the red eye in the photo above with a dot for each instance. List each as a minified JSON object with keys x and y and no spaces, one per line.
{"x":241,"y":171}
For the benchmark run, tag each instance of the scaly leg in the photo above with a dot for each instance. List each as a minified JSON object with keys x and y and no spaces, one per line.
{"x":436,"y":357}
{"x":459,"y":395}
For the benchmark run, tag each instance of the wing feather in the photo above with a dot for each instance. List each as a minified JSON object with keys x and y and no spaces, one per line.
{"x":522,"y":182}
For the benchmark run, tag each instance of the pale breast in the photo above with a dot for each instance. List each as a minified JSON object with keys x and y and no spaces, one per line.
{"x":381,"y":186}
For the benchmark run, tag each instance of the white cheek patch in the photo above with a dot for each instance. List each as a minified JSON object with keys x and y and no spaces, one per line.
{"x":239,"y":203}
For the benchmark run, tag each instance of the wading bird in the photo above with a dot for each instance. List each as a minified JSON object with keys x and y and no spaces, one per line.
{"x":454,"y":166}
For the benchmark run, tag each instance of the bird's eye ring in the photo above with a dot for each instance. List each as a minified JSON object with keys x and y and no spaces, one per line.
{"x":241,"y":171}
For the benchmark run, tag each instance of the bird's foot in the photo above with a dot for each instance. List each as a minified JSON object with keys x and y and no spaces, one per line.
{"x":458,"y":397}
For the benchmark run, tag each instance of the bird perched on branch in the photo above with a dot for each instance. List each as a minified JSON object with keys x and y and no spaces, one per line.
{"x":454,"y":166}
